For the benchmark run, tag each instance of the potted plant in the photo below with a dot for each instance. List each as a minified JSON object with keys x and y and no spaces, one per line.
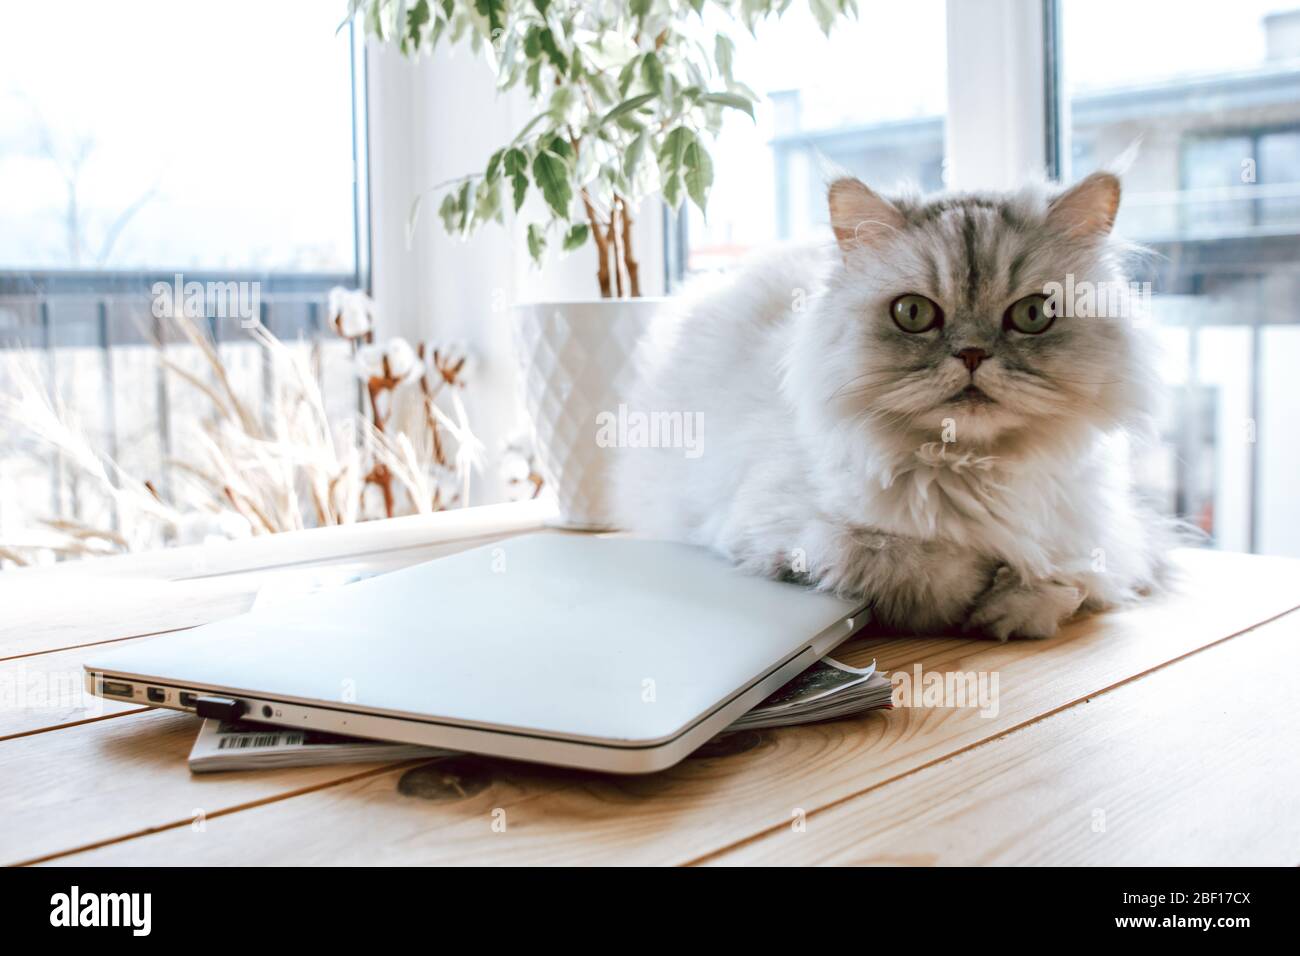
{"x":627,"y":94}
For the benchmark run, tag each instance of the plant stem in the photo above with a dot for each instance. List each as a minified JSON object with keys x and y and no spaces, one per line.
{"x":618,"y":252}
{"x":602,"y":246}
{"x":633,"y":267}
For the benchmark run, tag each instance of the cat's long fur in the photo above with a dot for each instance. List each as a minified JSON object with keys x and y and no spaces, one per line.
{"x":824,"y":424}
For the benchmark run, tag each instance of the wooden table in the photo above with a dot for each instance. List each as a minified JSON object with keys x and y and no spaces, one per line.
{"x":1162,"y":734}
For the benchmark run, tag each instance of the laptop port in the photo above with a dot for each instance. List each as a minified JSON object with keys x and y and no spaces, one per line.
{"x":156,"y":694}
{"x":220,"y":708}
{"x":188,"y":699}
{"x":116,"y":688}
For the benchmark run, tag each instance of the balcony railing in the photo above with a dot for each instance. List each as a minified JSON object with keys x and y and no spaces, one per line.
{"x":94,"y":338}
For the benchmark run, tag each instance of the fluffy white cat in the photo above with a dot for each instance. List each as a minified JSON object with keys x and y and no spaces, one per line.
{"x":904,"y":415}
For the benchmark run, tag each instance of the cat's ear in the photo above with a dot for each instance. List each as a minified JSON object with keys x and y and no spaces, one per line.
{"x":860,"y":217}
{"x":1088,"y":208}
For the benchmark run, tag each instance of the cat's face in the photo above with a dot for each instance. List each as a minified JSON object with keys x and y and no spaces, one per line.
{"x":936,"y":325}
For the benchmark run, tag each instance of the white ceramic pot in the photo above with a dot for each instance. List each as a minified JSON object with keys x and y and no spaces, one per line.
{"x":576,"y":361}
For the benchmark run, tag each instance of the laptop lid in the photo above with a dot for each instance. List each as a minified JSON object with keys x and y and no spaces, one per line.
{"x":614,"y":641}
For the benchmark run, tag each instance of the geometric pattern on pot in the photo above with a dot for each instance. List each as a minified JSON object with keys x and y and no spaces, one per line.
{"x":577,"y":360}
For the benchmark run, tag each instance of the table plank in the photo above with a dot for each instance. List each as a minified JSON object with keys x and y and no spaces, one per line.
{"x":1190,"y":765}
{"x":47,"y":614}
{"x":137,"y":780}
{"x":308,"y":547}
{"x":47,"y":691}
{"x":718,"y":799}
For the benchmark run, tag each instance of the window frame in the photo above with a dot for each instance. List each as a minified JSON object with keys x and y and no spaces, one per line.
{"x":1004,"y":74}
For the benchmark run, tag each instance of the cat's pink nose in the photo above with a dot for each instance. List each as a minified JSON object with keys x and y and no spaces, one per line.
{"x":972,"y":358}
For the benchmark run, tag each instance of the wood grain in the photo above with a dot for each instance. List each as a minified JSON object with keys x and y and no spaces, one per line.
{"x":46,"y":614}
{"x":1193,"y":764}
{"x":463,"y":525}
{"x":44,"y":692}
{"x":738,"y":789}
{"x":102,"y":780}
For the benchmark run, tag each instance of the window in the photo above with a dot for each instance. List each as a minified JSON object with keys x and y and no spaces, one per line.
{"x":180,"y":136}
{"x":1213,"y":98}
{"x":859,"y":100}
{"x":172,"y":143}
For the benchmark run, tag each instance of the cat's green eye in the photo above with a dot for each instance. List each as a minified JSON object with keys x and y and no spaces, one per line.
{"x":915,"y":313}
{"x":1030,"y":316}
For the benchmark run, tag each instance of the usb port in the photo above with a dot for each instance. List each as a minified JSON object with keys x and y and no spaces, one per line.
{"x":187,"y":699}
{"x":116,"y":688}
{"x":157,"y":695}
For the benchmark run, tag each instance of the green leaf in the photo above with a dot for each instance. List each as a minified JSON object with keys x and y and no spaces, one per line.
{"x":494,"y":165}
{"x":541,"y":6}
{"x":632,"y":158}
{"x":672,"y":154}
{"x":699,"y":173}
{"x":551,"y":174}
{"x":825,"y":11}
{"x":576,"y":236}
{"x":494,"y":12}
{"x":534,"y":78}
{"x":751,"y":11}
{"x":448,"y":212}
{"x":536,"y":242}
{"x":553,"y":51}
{"x":487,"y":202}
{"x":673,"y":150}
{"x":627,"y":106}
{"x":671,"y":187}
{"x":734,"y":100}
{"x":600,"y":84}
{"x":561,"y":100}
{"x":639,"y":8}
{"x":533,"y":42}
{"x":416,"y":18}
{"x":466,"y":203}
{"x":627,"y":75}
{"x":652,"y":71}
{"x":724,"y":54}
{"x":516,"y":167}
{"x":560,"y":147}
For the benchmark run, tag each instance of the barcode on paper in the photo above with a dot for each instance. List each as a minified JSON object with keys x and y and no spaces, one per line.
{"x":245,"y":741}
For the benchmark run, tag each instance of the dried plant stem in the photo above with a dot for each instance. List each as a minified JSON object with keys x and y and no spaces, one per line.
{"x":209,"y":351}
{"x":247,"y":508}
{"x":379,"y":474}
{"x":280,"y":469}
{"x":430,"y":395}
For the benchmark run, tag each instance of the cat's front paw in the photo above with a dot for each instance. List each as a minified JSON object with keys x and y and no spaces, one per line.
{"x":1014,"y":608}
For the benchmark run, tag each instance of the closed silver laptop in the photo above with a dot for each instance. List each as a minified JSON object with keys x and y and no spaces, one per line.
{"x":611,"y":654}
